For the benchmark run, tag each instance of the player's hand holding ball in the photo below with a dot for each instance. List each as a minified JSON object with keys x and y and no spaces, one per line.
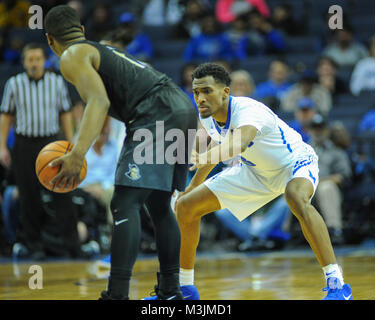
{"x":58,"y":168}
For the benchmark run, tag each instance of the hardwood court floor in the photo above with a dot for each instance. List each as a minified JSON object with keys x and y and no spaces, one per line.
{"x":293,"y":275}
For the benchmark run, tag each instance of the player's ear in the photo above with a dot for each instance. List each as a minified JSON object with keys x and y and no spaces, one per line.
{"x":225,"y":92}
{"x":49,"y":39}
{"x":83,"y":29}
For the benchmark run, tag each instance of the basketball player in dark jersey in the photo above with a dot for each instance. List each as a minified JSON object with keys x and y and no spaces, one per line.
{"x":112,"y":82}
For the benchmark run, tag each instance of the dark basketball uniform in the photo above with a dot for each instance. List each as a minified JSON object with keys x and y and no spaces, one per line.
{"x":143,"y":98}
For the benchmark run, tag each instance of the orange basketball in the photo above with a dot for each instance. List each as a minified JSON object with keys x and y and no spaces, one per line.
{"x":46,"y":173}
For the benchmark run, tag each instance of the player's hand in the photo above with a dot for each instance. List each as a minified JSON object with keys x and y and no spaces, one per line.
{"x":197,"y":160}
{"x":5,"y":157}
{"x":70,"y":171}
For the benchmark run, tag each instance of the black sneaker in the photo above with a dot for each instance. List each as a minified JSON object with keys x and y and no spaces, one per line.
{"x":170,"y":296}
{"x":168,"y":288}
{"x":105,"y":295}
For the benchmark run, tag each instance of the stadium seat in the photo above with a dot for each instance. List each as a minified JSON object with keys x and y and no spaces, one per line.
{"x":302,"y":44}
{"x":169,"y":49}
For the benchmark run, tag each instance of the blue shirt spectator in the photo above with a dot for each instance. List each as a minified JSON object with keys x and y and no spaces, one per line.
{"x":140,"y":46}
{"x":185,"y":82}
{"x":271,"y":89}
{"x":367,"y":122}
{"x":211,"y":44}
{"x":303,"y":117}
{"x":273,"y":39}
{"x":278,"y":83}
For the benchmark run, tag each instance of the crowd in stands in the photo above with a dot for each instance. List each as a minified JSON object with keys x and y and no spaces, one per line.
{"x":320,"y":81}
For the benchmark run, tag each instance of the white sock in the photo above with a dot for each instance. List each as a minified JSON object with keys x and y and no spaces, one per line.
{"x":186,"y":277}
{"x":333,"y":271}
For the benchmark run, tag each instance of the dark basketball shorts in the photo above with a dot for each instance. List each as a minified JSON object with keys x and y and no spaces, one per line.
{"x":157,"y":145}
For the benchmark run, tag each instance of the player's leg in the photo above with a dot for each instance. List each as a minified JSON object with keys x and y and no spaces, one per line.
{"x":167,"y":237}
{"x":32,"y":216}
{"x":125,"y":206}
{"x":298,"y":194}
{"x":191,"y":207}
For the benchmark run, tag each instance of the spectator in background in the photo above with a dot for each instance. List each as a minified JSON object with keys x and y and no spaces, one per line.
{"x":326,"y":70}
{"x":211,"y":44}
{"x":367,"y":122}
{"x":307,"y":87}
{"x":325,"y":34}
{"x":185,"y":81}
{"x":302,"y":118}
{"x":344,"y":50}
{"x":266,"y":235}
{"x":245,"y":42}
{"x":101,"y":167}
{"x":283,"y":19}
{"x":239,"y":36}
{"x":363,"y":76}
{"x":100,"y":21}
{"x":14,"y":14}
{"x":48,"y":4}
{"x":334,"y":173}
{"x":19,"y":107}
{"x":190,"y":23}
{"x":12,"y":53}
{"x":242,"y":84}
{"x":273,"y":90}
{"x":272,"y":39}
{"x":228,"y":10}
{"x":159,"y":12}
{"x":141,"y":46}
{"x":78,"y":6}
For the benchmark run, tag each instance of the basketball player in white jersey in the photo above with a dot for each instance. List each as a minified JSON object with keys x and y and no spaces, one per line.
{"x":274,"y":161}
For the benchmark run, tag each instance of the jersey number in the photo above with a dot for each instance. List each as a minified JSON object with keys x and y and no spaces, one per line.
{"x":136,"y":63}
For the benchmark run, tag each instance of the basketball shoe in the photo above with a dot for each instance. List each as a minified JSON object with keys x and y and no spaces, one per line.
{"x":167,"y":290}
{"x":336,"y":291}
{"x":188,"y":293}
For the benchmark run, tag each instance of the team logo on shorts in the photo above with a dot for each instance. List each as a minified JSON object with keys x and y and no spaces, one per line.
{"x":133,"y":173}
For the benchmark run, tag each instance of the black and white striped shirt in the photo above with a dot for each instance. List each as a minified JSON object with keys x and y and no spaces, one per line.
{"x":36,"y":104}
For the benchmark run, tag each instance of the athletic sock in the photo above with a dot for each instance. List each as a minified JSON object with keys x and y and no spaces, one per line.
{"x":186,"y":277}
{"x":333,"y":271}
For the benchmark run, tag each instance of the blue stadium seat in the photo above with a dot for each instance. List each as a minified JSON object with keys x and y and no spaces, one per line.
{"x":169,"y":49}
{"x":367,"y":100}
{"x":29,"y":35}
{"x":157,"y":33}
{"x":171,"y":67}
{"x":305,"y":44}
{"x":308,"y":59}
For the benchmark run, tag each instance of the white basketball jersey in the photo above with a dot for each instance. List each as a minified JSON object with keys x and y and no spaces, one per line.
{"x":275,"y":146}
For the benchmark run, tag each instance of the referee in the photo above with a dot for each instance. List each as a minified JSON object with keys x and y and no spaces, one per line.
{"x":35,"y":102}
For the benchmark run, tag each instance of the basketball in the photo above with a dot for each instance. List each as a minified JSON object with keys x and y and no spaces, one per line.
{"x":46,"y":173}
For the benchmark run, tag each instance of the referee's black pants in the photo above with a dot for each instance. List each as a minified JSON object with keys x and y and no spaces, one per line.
{"x":32,"y":215}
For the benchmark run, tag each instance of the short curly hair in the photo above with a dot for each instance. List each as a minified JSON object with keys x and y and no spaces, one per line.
{"x":62,"y":22}
{"x":212,"y":69}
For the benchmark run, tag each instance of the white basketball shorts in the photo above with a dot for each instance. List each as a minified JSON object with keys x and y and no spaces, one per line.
{"x":243,"y":191}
